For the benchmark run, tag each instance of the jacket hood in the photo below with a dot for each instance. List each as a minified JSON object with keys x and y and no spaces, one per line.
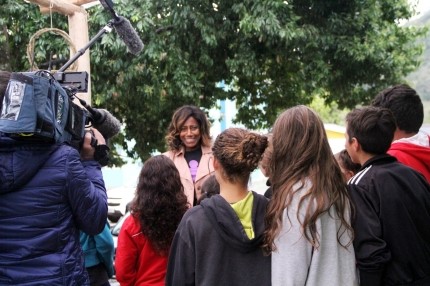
{"x":20,"y":161}
{"x":227,"y":224}
{"x":420,"y":153}
{"x":415,"y":156}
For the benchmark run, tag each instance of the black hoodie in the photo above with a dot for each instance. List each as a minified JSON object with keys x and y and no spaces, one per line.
{"x":211,"y":247}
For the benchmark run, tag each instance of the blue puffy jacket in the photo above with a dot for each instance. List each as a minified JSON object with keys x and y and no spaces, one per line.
{"x":46,"y":196}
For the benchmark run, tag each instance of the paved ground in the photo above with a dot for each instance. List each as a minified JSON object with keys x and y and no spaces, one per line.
{"x":113,"y":282}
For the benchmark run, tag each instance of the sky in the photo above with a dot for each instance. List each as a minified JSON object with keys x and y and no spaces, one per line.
{"x":422,"y":6}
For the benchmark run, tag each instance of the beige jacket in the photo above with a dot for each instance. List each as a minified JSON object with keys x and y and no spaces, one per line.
{"x":204,"y":170}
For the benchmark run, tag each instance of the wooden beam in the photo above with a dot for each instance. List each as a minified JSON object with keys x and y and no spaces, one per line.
{"x":81,"y":2}
{"x":45,"y":10}
{"x":60,"y":6}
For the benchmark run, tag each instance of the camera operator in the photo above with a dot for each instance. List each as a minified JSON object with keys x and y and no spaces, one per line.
{"x":48,"y":193}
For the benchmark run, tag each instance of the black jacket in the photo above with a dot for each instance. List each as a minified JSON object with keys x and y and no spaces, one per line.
{"x":211,"y":247}
{"x":391,"y":223}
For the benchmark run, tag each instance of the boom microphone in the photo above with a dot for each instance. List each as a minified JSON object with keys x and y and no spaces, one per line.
{"x":124,"y":29}
{"x":103,"y":121}
{"x":128,"y":35}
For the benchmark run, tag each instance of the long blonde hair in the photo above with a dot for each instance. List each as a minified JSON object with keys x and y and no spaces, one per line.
{"x":300,"y":153}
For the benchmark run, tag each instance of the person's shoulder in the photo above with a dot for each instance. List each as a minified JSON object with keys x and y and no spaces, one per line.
{"x":206,"y":150}
{"x":193,"y":221}
{"x":64,"y":149}
{"x":258,"y":197}
{"x":58,"y":154}
{"x":360,"y":178}
{"x":131,"y":225}
{"x":260,"y":201}
{"x":192,"y":214}
{"x":381,"y":168}
{"x":173,"y":153}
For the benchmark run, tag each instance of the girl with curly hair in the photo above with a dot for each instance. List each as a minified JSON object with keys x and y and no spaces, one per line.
{"x":189,"y":144}
{"x":146,"y":235}
{"x":308,"y":227}
{"x":219,"y":241}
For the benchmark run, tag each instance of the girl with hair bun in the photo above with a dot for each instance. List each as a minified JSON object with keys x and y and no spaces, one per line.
{"x":219,"y":241}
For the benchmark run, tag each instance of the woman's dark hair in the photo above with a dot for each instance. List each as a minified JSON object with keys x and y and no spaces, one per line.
{"x":210,"y":187}
{"x":178,"y":119}
{"x":160,"y":202}
{"x":346,"y":163}
{"x":239,"y":151}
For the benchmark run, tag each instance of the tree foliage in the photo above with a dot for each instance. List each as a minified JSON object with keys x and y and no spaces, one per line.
{"x":273,"y":54}
{"x":419,"y":79}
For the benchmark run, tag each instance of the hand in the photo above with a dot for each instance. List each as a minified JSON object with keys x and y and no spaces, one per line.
{"x":92,"y":138}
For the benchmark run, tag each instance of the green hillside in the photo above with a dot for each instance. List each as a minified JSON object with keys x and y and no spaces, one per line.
{"x":420,"y":79}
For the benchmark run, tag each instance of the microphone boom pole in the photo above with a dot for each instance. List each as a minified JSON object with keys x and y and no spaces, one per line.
{"x":105,"y":30}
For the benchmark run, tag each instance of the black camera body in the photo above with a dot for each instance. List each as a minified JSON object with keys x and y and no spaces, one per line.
{"x":38,"y":107}
{"x":76,"y":80}
{"x":73,"y":82}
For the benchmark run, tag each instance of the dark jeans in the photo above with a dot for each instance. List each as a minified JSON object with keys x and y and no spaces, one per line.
{"x":98,"y":275}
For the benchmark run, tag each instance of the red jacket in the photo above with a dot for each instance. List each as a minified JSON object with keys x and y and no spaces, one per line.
{"x":136,"y":263}
{"x":415,"y":156}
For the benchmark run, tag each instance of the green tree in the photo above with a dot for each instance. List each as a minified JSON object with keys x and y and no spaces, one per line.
{"x":273,"y":54}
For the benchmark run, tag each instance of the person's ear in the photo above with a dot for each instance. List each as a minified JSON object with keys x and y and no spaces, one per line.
{"x":216,"y":164}
{"x":355,"y":144}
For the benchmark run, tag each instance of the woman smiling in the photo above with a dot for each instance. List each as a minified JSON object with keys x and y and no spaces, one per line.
{"x":189,"y":144}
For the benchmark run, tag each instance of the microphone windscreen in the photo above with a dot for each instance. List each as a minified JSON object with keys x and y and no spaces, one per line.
{"x":129,"y":36}
{"x":109,"y":125}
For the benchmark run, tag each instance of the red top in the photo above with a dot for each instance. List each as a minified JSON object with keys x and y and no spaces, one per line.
{"x":136,"y":263}
{"x":415,"y":156}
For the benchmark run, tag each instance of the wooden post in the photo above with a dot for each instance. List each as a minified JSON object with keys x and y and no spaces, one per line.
{"x":78,"y":32}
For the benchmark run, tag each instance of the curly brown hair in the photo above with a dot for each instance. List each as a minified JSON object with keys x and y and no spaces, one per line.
{"x":267,"y":157}
{"x":239,"y":151}
{"x":178,"y":119}
{"x":160,"y":202}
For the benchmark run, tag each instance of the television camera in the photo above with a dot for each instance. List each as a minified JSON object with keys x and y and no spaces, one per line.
{"x":39,"y":105}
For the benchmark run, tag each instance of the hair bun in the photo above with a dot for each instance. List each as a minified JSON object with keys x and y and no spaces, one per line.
{"x":252,"y":149}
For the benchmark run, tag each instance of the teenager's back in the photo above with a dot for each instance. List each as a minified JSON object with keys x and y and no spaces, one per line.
{"x":215,"y":249}
{"x":399,"y":225}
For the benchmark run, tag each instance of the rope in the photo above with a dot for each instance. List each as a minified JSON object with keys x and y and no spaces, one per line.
{"x":51,"y":5}
{"x":31,"y":45}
